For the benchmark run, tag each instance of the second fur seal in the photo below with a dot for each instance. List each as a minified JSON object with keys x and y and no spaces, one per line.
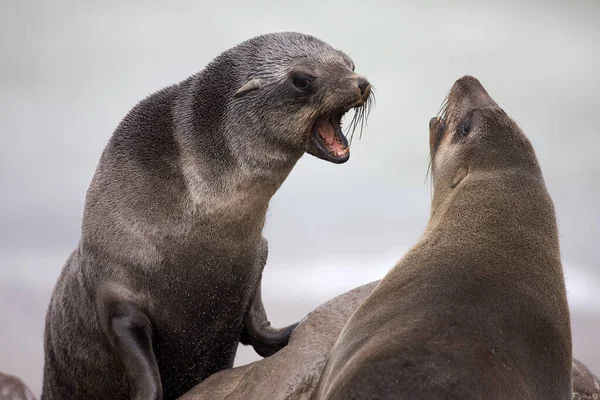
{"x":477,"y":309}
{"x":166,"y":279}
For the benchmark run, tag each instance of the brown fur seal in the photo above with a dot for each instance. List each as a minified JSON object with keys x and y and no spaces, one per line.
{"x":166,"y":279}
{"x":477,"y":309}
{"x":12,"y":388}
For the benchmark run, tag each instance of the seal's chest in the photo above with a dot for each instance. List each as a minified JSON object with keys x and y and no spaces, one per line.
{"x":210,"y":304}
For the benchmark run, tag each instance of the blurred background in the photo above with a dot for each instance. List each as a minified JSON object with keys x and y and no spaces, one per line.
{"x":70,"y":70}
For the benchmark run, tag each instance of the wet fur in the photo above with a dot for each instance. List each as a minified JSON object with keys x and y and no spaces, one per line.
{"x":171,"y":252}
{"x":477,"y":309}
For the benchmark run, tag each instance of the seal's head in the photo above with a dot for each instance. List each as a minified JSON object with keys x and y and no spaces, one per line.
{"x":472,"y":133}
{"x":294,"y":89}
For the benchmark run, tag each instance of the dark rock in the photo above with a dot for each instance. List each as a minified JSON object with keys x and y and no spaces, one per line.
{"x":586,"y":386}
{"x":12,"y":388}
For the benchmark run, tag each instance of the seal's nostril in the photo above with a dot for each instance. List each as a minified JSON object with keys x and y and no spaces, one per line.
{"x":363,"y":84}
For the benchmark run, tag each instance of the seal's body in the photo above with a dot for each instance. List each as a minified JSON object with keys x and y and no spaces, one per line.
{"x":166,"y":279}
{"x":477,"y":309}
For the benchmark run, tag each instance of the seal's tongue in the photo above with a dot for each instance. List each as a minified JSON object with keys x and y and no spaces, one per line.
{"x":331,"y":139}
{"x":327,"y":141}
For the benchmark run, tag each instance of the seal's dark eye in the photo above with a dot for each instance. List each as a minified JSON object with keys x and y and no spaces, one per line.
{"x":464,"y":127}
{"x":301,"y":82}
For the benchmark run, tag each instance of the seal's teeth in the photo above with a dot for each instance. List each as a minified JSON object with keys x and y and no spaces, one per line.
{"x":330,"y":137}
{"x":338,"y":140}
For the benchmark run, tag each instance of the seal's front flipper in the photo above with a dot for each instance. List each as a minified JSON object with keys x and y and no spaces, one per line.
{"x":130,"y":333}
{"x":258,"y":332}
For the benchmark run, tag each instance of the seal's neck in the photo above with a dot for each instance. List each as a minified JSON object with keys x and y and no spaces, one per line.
{"x":497,"y":208}
{"x":221,"y":160}
{"x":258,"y":161}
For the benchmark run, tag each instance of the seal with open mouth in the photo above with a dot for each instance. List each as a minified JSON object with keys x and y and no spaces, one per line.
{"x":166,"y":279}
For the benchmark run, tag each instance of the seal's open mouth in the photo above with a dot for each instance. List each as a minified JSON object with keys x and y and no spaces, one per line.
{"x":327,"y":141}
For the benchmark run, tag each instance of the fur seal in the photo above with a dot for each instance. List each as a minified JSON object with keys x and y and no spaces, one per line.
{"x":477,"y":309}
{"x":166,"y":278}
{"x":12,"y":388}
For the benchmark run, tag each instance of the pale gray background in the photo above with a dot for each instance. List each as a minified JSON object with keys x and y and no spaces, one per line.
{"x":70,"y":70}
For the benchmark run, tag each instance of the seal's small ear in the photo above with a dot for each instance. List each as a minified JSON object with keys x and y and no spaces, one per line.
{"x":249,"y":86}
{"x":460,"y":175}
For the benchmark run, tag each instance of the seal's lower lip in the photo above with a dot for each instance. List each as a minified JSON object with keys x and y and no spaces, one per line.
{"x":329,"y":141}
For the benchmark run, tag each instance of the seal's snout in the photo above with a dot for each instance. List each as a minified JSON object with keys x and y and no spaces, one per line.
{"x":364,"y":86}
{"x":467,"y":94}
{"x":469,"y":82}
{"x":327,"y":140}
{"x":343,"y":90}
{"x":469,"y":87}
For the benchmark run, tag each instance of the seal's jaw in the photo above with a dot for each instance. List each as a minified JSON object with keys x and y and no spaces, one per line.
{"x":327,"y":141}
